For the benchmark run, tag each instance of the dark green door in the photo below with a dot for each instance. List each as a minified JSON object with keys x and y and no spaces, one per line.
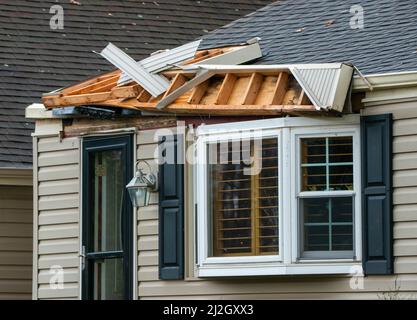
{"x":107,"y":218}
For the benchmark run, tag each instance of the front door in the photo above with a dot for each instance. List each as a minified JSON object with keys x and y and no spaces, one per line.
{"x":107,"y":218}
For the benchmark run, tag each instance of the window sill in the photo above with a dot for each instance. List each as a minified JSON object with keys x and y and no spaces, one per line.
{"x":353,"y":268}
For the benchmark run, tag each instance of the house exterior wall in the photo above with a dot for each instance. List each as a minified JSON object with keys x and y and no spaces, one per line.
{"x":58,"y":189}
{"x":15,"y":241}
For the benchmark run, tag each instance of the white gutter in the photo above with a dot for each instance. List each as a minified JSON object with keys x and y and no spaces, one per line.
{"x":386,"y":81}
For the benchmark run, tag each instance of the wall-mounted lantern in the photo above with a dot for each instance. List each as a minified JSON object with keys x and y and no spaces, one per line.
{"x":141,"y":186}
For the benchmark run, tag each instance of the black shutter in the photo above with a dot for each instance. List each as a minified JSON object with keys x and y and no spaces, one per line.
{"x":171,"y":209}
{"x":376,"y":145}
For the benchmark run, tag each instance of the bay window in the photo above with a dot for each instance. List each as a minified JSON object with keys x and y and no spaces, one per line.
{"x":278,"y":196}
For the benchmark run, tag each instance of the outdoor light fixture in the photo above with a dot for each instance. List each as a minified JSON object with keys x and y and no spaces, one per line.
{"x":141,"y":186}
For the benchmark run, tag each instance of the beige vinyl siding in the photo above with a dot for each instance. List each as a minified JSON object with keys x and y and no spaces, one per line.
{"x":147,"y":224}
{"x":58,"y":215}
{"x":15,"y":242}
{"x":401,"y":285}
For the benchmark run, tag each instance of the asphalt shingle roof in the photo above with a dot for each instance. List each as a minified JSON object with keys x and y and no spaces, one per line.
{"x":314,"y":31}
{"x":35,"y":59}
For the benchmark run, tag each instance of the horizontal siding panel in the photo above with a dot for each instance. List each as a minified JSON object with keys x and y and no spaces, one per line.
{"x":148,"y":258}
{"x":404,"y":127}
{"x":55,"y":158}
{"x":11,"y":203}
{"x":16,"y":230}
{"x":267,"y":285}
{"x":148,"y":227}
{"x":146,"y":137}
{"x":148,"y":213}
{"x":15,"y":272}
{"x":405,"y":144}
{"x":407,"y":212}
{"x":67,"y":260}
{"x":399,"y":111}
{"x":147,"y":151}
{"x":15,"y":192}
{"x":53,"y":144}
{"x":58,"y":172}
{"x":404,"y":161}
{"x":405,"y":265}
{"x":58,"y":246}
{"x":285,"y":285}
{"x":59,"y":231}
{"x":15,"y":286}
{"x":149,"y":273}
{"x":16,"y":258}
{"x":70,"y":290}
{"x":405,"y":195}
{"x":16,"y":215}
{"x":58,"y":187}
{"x":405,"y":247}
{"x":15,"y":244}
{"x":405,"y":178}
{"x":59,"y":202}
{"x":71,"y":275}
{"x":148,"y":243}
{"x":58,"y":216}
{"x":405,"y":230}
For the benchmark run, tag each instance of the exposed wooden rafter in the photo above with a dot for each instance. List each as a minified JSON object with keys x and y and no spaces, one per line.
{"x":218,"y":90}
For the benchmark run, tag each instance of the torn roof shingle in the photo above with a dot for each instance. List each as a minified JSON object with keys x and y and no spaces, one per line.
{"x":35,"y":59}
{"x":317,"y":31}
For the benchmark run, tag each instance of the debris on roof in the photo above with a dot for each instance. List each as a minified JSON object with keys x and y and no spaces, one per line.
{"x":214,"y":89}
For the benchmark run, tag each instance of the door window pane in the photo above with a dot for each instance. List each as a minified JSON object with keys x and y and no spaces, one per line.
{"x":108,"y":279}
{"x":107,"y":186}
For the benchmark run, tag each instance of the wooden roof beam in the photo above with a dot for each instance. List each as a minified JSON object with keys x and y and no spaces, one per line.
{"x":198,"y":92}
{"x":252,"y":90}
{"x":177,"y":82}
{"x":303,"y":98}
{"x":280,"y":88}
{"x":226,"y":89}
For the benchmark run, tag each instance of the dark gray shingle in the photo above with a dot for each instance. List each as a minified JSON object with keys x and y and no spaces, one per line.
{"x":295,"y":31}
{"x":35,"y":59}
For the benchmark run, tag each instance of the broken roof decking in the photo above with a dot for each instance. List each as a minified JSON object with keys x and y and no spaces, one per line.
{"x":199,"y":89}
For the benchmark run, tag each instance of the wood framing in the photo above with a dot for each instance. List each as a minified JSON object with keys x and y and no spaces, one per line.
{"x":205,"y":90}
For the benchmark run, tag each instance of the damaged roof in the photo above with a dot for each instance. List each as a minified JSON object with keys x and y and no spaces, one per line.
{"x":320,"y":31}
{"x":35,"y":59}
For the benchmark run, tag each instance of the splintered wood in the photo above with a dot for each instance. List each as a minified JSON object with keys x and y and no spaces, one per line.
{"x":251,"y":93}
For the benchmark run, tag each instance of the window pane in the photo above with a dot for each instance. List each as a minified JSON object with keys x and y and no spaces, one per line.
{"x":316,"y":238}
{"x":108,"y":279}
{"x":314,"y":178}
{"x":340,"y":149}
{"x":313,"y":150}
{"x":107,"y":194}
{"x":341,"y":177}
{"x":316,"y":210}
{"x":326,"y":164}
{"x":342,"y":238}
{"x":243,"y":179}
{"x":327,"y":223}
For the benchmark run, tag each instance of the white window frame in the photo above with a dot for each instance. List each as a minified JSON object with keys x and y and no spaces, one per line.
{"x":287,"y":262}
{"x":296,"y":136}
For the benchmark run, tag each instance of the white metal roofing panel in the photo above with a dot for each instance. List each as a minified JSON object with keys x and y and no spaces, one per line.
{"x":154,"y":84}
{"x":326,"y":87}
{"x":164,"y":60}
